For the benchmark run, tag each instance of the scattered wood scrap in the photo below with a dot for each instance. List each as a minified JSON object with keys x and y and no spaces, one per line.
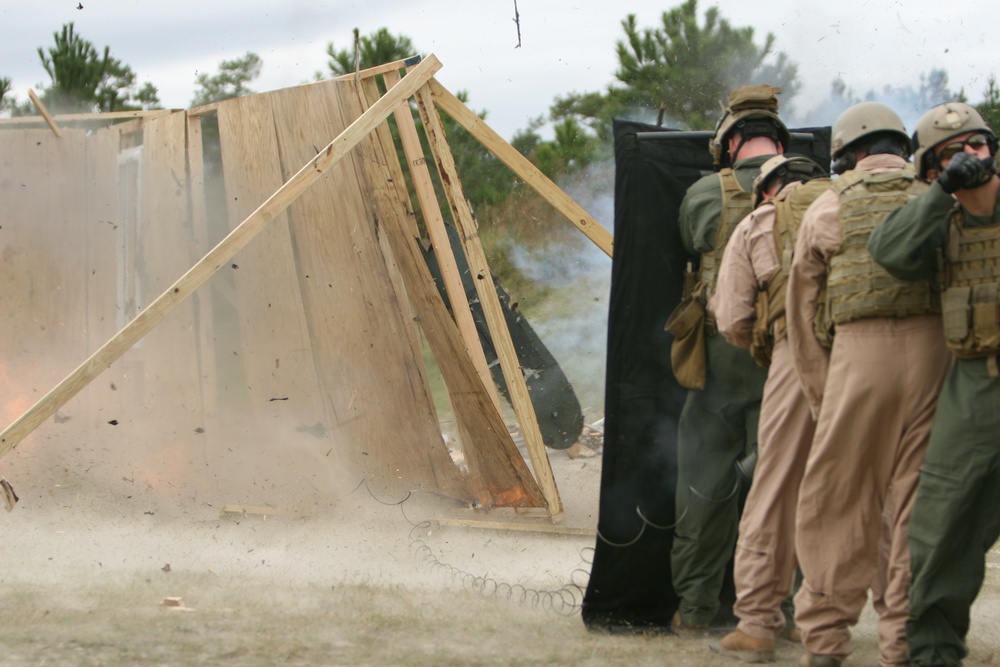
{"x":175,"y":604}
{"x":252,"y":510}
{"x":545,"y":528}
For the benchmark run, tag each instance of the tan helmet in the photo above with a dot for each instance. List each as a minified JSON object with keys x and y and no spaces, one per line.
{"x":942,"y":123}
{"x":789,"y":167}
{"x":752,"y":110}
{"x":864,"y":119}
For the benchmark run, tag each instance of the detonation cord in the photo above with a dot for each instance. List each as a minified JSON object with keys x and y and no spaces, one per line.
{"x":642,"y":529}
{"x":565,"y":601}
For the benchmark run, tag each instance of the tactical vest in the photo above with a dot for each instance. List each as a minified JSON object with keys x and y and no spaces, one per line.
{"x":858,"y":287}
{"x":769,"y":323}
{"x":971,"y":302}
{"x":736,"y":205}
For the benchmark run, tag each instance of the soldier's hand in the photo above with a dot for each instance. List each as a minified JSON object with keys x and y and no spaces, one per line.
{"x":965,"y":171}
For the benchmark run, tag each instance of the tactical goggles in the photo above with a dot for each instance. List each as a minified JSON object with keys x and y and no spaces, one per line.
{"x":976,"y":141}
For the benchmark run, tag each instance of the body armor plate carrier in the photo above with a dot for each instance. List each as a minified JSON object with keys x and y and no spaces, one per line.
{"x":971,"y":299}
{"x":769,"y":323}
{"x":857,"y":287}
{"x":737,"y":203}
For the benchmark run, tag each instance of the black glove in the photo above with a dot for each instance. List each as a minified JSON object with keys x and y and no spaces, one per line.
{"x":965,"y":171}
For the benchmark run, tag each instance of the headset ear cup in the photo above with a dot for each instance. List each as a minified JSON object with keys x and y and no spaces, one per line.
{"x":845,"y":162}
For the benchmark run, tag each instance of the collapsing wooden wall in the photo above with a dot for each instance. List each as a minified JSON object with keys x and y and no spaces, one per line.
{"x":332,"y":282}
{"x":327,"y":290}
{"x":77,"y":266}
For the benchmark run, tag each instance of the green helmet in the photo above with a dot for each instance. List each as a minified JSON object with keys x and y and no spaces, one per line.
{"x":942,"y":123}
{"x":753,"y":111}
{"x":790,"y":167}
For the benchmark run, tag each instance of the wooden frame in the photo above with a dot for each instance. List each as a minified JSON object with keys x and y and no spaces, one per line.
{"x":218,"y":257}
{"x":430,"y":96}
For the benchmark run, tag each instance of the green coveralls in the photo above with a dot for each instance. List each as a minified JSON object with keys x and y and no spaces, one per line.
{"x":718,"y":426}
{"x":955,"y":519}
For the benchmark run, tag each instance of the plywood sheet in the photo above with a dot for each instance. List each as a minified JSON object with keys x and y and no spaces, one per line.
{"x":42,"y":229}
{"x":108,"y":397}
{"x":500,"y":476}
{"x":274,"y":341}
{"x":164,"y":251}
{"x":372,"y":382}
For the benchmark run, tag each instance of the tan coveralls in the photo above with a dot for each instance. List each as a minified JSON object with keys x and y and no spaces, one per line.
{"x":878,"y":388}
{"x":765,"y":549}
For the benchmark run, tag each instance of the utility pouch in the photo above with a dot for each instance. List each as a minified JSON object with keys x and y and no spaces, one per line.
{"x":823,"y":321}
{"x":985,"y":316}
{"x":762,"y":342}
{"x":955,"y":313}
{"x":687,"y":353}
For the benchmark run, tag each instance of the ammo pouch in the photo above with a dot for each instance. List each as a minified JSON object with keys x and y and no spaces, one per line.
{"x":971,"y":317}
{"x":823,"y":321}
{"x":687,"y":353}
{"x":762,"y":342}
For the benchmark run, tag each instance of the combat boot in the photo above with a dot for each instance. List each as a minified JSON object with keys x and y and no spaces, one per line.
{"x":745,"y":648}
{"x":812,"y":660}
{"x":687,"y":630}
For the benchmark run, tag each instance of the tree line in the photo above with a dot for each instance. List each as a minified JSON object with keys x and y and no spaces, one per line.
{"x":674,"y":73}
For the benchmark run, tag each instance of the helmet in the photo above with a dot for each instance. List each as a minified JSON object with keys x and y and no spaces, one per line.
{"x":753,"y":111}
{"x":862,"y":120}
{"x":858,"y":122}
{"x":789,"y":167}
{"x":942,"y":123}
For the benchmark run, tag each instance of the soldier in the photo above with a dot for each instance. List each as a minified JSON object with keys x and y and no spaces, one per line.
{"x":873,"y":393}
{"x":718,"y":424}
{"x":955,"y":519}
{"x":749,"y":309}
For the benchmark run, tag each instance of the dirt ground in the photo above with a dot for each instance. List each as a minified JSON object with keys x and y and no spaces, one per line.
{"x":97,"y":549}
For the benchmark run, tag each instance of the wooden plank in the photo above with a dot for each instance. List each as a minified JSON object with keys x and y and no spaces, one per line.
{"x":380,"y":415}
{"x":253,"y":510}
{"x":44,"y":231}
{"x":383,"y":136}
{"x":219,"y":256}
{"x":105,"y":400}
{"x":394,"y":66}
{"x":542,"y":528}
{"x":434,"y":223}
{"x":504,"y":478}
{"x":522,"y":167}
{"x":202,"y":300}
{"x":45,"y":113}
{"x":164,"y":248}
{"x":492,"y":309}
{"x":107,"y":116}
{"x":384,"y":167}
{"x":269,"y":323}
{"x":205,"y":108}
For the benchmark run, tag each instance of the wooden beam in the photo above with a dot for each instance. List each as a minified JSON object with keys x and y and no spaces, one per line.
{"x":45,"y":113}
{"x":253,"y":510}
{"x":492,"y":309}
{"x":443,"y":252}
{"x":391,"y":177}
{"x":545,"y":528}
{"x":216,"y":258}
{"x":497,"y":471}
{"x":522,"y":167}
{"x":204,"y":109}
{"x":394,"y":66}
{"x":79,"y":117}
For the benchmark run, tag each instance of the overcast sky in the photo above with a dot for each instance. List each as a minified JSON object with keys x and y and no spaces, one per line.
{"x":566,"y":45}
